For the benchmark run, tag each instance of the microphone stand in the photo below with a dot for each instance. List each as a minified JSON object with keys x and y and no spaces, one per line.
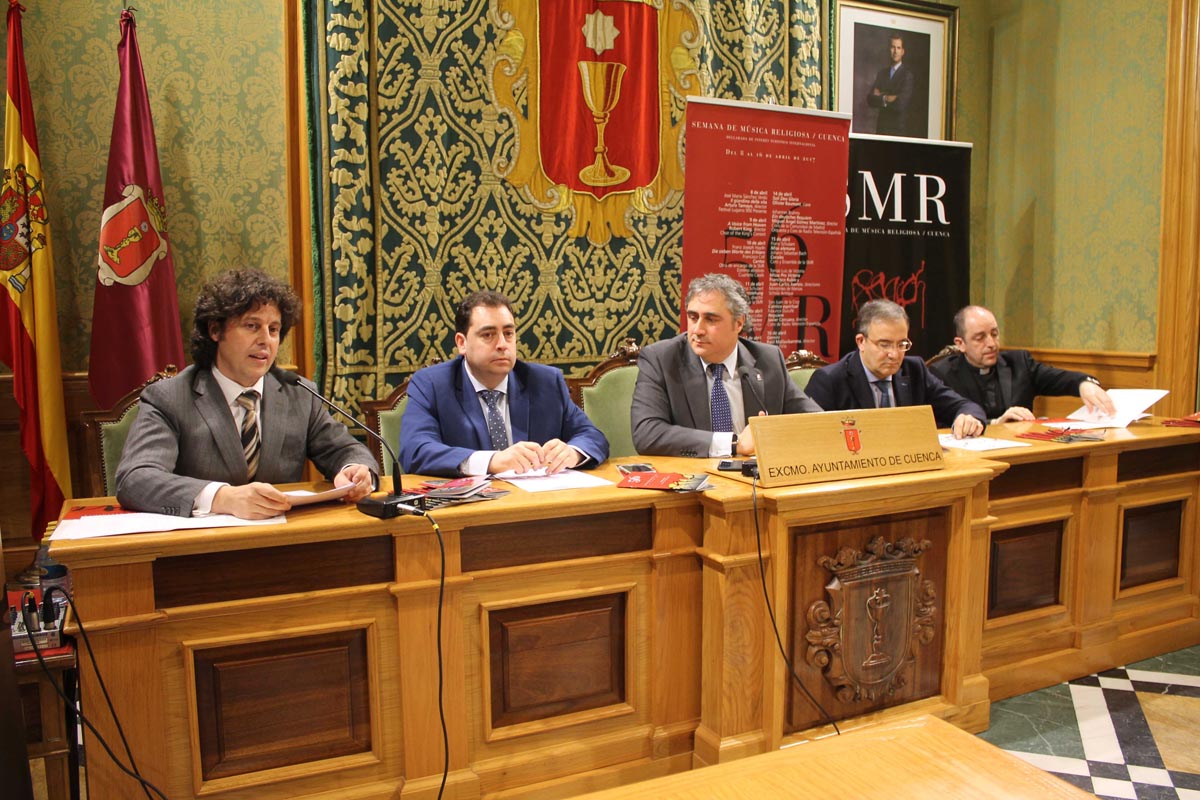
{"x":387,"y":506}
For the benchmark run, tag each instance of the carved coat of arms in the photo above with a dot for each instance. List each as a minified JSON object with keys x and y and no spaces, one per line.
{"x":596,"y":90}
{"x":880,"y":612}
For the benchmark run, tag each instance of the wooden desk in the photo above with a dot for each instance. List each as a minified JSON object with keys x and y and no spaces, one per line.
{"x":926,"y":655}
{"x":590,"y":638}
{"x":914,"y":759}
{"x":285,"y":661}
{"x":1090,"y":555}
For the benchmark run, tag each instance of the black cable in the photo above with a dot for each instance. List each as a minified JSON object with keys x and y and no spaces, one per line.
{"x":762,"y":573}
{"x":132,"y":771}
{"x":441,"y":705}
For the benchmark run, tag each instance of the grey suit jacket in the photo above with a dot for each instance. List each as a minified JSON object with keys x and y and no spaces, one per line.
{"x":670,"y":414}
{"x":184,"y":438}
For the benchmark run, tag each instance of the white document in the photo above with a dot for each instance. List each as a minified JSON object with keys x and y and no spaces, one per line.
{"x":978,"y":444}
{"x":97,"y":525}
{"x":303,"y":497}
{"x":1131,"y":405}
{"x":537,"y":480}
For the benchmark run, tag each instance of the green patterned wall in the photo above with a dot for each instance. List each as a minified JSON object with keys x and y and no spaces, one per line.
{"x":1066,"y":121}
{"x":1074,"y":172}
{"x":214,"y":72}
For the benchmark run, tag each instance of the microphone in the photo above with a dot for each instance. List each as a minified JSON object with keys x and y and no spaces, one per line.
{"x":389,"y":506}
{"x":754,"y":377}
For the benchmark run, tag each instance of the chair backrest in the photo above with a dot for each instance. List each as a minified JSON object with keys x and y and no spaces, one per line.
{"x":383,"y":417}
{"x":606,"y":395}
{"x":945,"y":352}
{"x":801,"y":364}
{"x":105,"y":432}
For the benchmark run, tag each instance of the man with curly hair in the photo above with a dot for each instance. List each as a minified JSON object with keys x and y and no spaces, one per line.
{"x":216,"y":437}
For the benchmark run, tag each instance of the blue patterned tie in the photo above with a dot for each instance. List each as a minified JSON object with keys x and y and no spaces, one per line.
{"x":495,"y":420}
{"x":885,"y":398}
{"x":722,"y":417}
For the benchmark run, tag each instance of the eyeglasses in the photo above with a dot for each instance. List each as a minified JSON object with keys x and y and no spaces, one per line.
{"x":887,"y":346}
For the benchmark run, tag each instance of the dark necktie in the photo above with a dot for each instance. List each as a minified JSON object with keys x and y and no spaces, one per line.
{"x":495,"y":420}
{"x":722,"y":416}
{"x":250,"y":436}
{"x":885,"y":399}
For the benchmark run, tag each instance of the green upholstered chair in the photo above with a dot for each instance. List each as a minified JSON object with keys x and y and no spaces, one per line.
{"x":606,"y":394}
{"x":105,"y":433}
{"x":801,"y":364}
{"x":383,"y":417}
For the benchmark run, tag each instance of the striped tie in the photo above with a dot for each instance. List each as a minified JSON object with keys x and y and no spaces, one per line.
{"x":250,"y":437}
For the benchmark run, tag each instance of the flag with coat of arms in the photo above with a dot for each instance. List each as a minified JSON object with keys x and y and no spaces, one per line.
{"x":28,"y":306}
{"x":135,"y":313}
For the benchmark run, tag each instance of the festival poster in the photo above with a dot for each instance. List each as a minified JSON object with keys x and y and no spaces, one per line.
{"x":765,"y":202}
{"x":908,"y":234}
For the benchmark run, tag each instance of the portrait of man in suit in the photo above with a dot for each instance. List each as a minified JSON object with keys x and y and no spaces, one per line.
{"x":891,"y":81}
{"x":487,"y":411}
{"x":697,"y":392}
{"x":893,"y":90}
{"x":217,"y":436}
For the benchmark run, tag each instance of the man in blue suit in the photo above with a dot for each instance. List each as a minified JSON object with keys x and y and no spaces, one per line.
{"x":879,"y":375}
{"x":486,"y":412}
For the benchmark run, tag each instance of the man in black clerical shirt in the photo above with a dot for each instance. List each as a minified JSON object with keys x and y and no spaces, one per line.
{"x":1005,"y":383}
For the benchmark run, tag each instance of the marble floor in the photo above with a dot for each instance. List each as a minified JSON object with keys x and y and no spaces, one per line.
{"x":1123,"y":733}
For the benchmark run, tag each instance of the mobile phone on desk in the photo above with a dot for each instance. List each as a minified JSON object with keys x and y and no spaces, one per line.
{"x":628,"y":469}
{"x":732,"y":464}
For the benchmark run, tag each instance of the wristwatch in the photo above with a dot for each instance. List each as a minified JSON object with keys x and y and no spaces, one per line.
{"x":1090,"y":379}
{"x":733,"y":446}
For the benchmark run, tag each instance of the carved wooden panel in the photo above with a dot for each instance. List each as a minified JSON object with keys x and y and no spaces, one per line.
{"x":816,"y":550}
{"x":289,"y":701}
{"x":1150,"y":543}
{"x":1025,"y":568}
{"x":1037,"y":477}
{"x":536,"y":542}
{"x":1154,"y":462}
{"x":556,"y":658}
{"x":239,"y":574}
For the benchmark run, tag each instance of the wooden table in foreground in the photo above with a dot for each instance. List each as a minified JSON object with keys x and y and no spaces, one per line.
{"x":914,"y":759}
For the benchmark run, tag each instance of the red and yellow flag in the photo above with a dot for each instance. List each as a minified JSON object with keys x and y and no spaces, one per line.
{"x":28,"y":309}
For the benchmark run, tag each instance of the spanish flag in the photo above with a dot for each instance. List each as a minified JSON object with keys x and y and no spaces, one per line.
{"x":28,"y":310}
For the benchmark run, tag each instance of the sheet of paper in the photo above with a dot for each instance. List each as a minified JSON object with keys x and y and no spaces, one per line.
{"x":93,"y":527}
{"x":538,"y":481}
{"x":303,"y":497}
{"x":1131,"y":405}
{"x":978,"y":444}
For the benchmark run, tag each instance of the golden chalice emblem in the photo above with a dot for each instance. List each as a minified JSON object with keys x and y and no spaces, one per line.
{"x":601,"y":91}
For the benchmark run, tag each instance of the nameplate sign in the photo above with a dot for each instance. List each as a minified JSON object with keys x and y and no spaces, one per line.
{"x":835,"y":445}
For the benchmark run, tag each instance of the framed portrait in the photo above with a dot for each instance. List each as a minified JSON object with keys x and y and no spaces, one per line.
{"x":891,"y":64}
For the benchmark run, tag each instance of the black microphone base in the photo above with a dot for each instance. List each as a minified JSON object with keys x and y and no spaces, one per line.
{"x":389,"y":506}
